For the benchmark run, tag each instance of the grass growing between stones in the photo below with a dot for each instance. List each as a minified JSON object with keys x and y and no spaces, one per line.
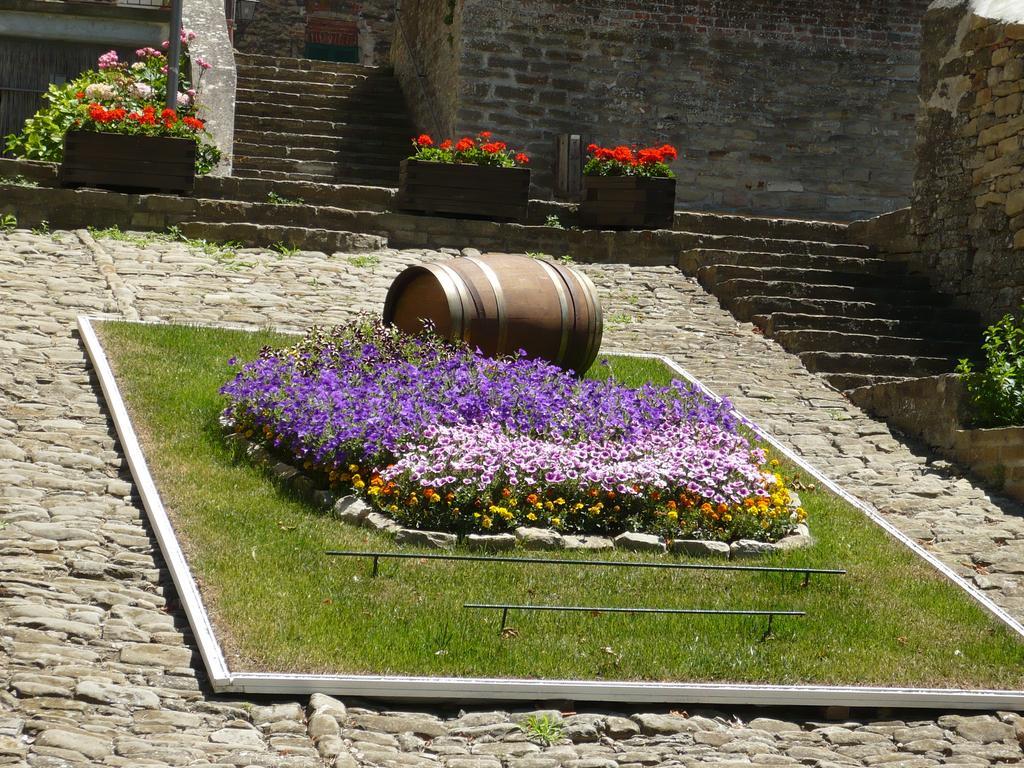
{"x":280,"y":604}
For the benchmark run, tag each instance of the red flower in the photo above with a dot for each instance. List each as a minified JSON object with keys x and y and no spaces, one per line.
{"x":592,"y":148}
{"x":194,"y":123}
{"x":522,"y":159}
{"x":623,"y":154}
{"x":423,"y":140}
{"x":464,"y":144}
{"x":669,"y":152}
{"x":80,"y":95}
{"x":446,"y":144}
{"x":485,"y":134}
{"x":168,"y":114}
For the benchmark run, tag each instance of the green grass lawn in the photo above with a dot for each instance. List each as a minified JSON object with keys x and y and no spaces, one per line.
{"x":280,"y":604}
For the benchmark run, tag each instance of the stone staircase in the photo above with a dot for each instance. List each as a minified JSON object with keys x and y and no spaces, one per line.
{"x":853,"y":317}
{"x":318,"y":121}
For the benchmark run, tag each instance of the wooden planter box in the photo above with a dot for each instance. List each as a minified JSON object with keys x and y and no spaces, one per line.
{"x":132,"y":163}
{"x":627,"y":201}
{"x":467,"y":190}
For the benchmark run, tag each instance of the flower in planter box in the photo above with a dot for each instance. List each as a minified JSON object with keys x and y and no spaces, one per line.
{"x":630,"y":161}
{"x":118,"y":97}
{"x":482,"y":150}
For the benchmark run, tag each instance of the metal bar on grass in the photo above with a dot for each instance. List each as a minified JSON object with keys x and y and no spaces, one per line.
{"x":607,"y":563}
{"x":506,"y":607}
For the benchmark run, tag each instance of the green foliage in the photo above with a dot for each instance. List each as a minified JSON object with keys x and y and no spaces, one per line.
{"x":42,"y":229}
{"x":546,"y":730}
{"x":284,"y":249}
{"x":18,"y":181}
{"x":275,"y":199}
{"x":364,"y":260}
{"x":8,"y":222}
{"x":554,"y":222}
{"x":996,"y":392}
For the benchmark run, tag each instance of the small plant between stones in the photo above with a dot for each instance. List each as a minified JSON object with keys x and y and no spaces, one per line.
{"x":19,"y":181}
{"x":554,"y":222}
{"x":364,"y":260}
{"x":275,"y":199}
{"x":284,"y":250}
{"x":547,"y":730}
{"x":8,"y":222}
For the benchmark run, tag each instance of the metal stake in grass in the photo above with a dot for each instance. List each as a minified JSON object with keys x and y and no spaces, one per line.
{"x":506,"y":607}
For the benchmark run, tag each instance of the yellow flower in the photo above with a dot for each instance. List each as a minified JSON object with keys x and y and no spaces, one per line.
{"x":530,"y":516}
{"x":556,"y":521}
{"x":353,"y":467}
{"x":358,"y":485}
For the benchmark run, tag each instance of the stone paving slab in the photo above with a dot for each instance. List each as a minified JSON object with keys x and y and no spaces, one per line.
{"x":97,"y":666}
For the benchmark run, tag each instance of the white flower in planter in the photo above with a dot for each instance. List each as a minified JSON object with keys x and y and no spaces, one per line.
{"x":100,"y":92}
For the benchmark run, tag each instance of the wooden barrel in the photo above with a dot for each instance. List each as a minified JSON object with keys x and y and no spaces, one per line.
{"x":502,"y":303}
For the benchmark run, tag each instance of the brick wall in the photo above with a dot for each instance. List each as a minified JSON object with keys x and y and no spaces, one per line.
{"x":802,"y":108}
{"x":968,"y":202}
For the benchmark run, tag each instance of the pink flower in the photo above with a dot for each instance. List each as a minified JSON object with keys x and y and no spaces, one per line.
{"x":108,"y":60}
{"x":203,"y":63}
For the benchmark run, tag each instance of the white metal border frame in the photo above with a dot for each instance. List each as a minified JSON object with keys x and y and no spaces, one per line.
{"x":468,"y":689}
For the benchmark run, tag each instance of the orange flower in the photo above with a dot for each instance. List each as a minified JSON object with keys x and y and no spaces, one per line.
{"x":446,"y":144}
{"x":464,"y":144}
{"x":423,"y":140}
{"x":522,"y":158}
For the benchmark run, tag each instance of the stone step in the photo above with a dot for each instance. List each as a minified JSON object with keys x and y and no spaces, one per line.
{"x":253,"y":190}
{"x":354,"y":136}
{"x":351,"y":84}
{"x":268,"y":235}
{"x":728,"y":290}
{"x":745,"y":307}
{"x":394,"y":118}
{"x":905,"y":366}
{"x":779,"y":245}
{"x":715,"y":274}
{"x":370,"y":155}
{"x":699,"y":257}
{"x":317,"y":178}
{"x":299,"y":77}
{"x":305,"y":65}
{"x":778,"y":322}
{"x":836,"y":341}
{"x":353,"y":126}
{"x":369,"y":99}
{"x":848,"y":381}
{"x":760,"y":226}
{"x":385,"y":173}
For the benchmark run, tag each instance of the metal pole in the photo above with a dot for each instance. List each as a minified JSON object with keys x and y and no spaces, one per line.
{"x":174,"y":55}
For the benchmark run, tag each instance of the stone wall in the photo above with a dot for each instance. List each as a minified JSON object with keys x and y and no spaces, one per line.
{"x":426,"y":55}
{"x":801,"y":108}
{"x":968,"y":202}
{"x":278,"y":28}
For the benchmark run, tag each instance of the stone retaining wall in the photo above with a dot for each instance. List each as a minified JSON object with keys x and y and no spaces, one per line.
{"x":798,"y":108}
{"x":968,"y":204}
{"x":932,"y":409}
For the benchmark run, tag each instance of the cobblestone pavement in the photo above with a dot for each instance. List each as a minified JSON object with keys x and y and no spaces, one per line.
{"x":96,"y":665}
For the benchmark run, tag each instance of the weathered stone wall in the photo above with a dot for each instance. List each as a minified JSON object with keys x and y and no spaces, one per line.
{"x":798,"y":108}
{"x":968,"y":205}
{"x":426,"y":55}
{"x":278,"y":29}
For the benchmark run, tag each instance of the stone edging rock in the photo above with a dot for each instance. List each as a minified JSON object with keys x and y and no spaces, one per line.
{"x":353,"y":510}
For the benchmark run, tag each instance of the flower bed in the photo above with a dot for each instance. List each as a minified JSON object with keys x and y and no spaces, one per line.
{"x":628,"y":187}
{"x":470,"y":177}
{"x":441,"y":438}
{"x":125,"y":99}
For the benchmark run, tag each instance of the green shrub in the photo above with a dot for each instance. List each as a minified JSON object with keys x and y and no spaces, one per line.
{"x":996,"y":392}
